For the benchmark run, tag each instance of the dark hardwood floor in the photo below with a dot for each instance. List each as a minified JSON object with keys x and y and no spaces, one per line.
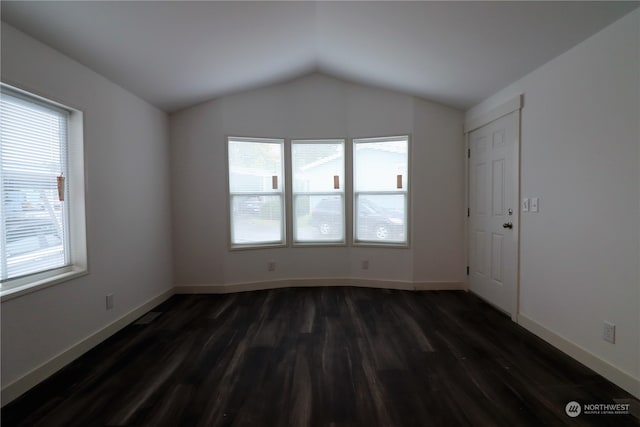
{"x":320,"y":357}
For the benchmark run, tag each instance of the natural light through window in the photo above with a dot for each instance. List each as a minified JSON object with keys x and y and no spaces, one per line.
{"x":326,"y":184}
{"x":256,"y":191}
{"x":33,"y":157}
{"x":318,"y":191}
{"x":381,"y":190}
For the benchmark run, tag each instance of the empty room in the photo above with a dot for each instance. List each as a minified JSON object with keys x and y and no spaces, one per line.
{"x":320,"y":213}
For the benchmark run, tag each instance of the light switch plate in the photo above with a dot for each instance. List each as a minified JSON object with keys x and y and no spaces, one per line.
{"x":534,"y":204}
{"x":525,"y":205}
{"x":609,"y":332}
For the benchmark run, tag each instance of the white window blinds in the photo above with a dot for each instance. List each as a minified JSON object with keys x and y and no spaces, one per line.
{"x":381,"y":203}
{"x":318,"y":191}
{"x":33,"y":155}
{"x":256,"y":191}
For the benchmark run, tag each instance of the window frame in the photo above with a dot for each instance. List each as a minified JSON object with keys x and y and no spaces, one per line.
{"x":343,"y":193}
{"x":75,"y":242}
{"x":349,"y":194}
{"x":282,"y":193}
{"x":355,"y":242}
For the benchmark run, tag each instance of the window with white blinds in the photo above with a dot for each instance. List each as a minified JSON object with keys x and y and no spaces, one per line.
{"x":381,"y":197}
{"x":33,"y":184}
{"x":318,"y":191}
{"x":256,"y":192}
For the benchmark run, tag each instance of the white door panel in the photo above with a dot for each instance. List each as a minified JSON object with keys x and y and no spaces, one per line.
{"x":493,"y":197}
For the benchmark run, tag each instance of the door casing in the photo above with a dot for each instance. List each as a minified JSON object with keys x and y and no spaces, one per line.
{"x":479,"y":120}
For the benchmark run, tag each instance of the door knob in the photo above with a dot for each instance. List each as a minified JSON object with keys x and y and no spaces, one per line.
{"x":507,"y":225}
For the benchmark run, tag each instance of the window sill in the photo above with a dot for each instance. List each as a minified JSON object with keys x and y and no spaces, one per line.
{"x":250,"y":247}
{"x":37,"y":285}
{"x":319,"y":245}
{"x":381,"y":245}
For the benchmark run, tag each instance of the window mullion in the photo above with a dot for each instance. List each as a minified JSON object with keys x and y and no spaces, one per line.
{"x":286,"y":225}
{"x":3,"y":225}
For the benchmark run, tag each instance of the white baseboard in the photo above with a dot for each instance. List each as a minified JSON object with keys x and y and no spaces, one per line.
{"x":623,"y":379}
{"x":289,"y":283}
{"x":21,"y":385}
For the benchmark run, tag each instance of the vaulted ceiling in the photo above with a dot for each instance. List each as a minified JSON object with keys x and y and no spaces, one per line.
{"x":176,"y":54}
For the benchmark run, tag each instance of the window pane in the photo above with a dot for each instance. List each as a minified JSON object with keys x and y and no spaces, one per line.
{"x":318,"y":166}
{"x":381,"y":218}
{"x":33,"y":150}
{"x":253,"y":166}
{"x":318,"y":188}
{"x":256,"y":187}
{"x":319,"y":218}
{"x":378,"y":164}
{"x":256,"y":219}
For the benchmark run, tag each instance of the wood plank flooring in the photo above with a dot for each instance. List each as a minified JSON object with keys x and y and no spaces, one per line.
{"x":320,"y":357}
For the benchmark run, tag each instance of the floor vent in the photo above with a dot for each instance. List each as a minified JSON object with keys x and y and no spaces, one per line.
{"x":147,"y":318}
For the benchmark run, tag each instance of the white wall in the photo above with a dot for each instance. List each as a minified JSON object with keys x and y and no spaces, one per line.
{"x":439,"y":208}
{"x":128,"y":209}
{"x":316,"y":106}
{"x":580,"y":156}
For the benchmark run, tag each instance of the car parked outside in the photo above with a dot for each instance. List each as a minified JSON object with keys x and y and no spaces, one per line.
{"x":374,"y":222}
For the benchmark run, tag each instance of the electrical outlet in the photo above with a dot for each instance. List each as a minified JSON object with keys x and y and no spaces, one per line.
{"x":109,"y":299}
{"x":609,"y":332}
{"x":271,"y":266}
{"x":365,"y":264}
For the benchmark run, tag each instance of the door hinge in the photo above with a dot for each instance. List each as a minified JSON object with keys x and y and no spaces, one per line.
{"x":468,"y":153}
{"x":467,"y":270}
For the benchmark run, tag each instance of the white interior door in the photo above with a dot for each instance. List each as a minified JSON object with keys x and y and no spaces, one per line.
{"x":493,"y":212}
